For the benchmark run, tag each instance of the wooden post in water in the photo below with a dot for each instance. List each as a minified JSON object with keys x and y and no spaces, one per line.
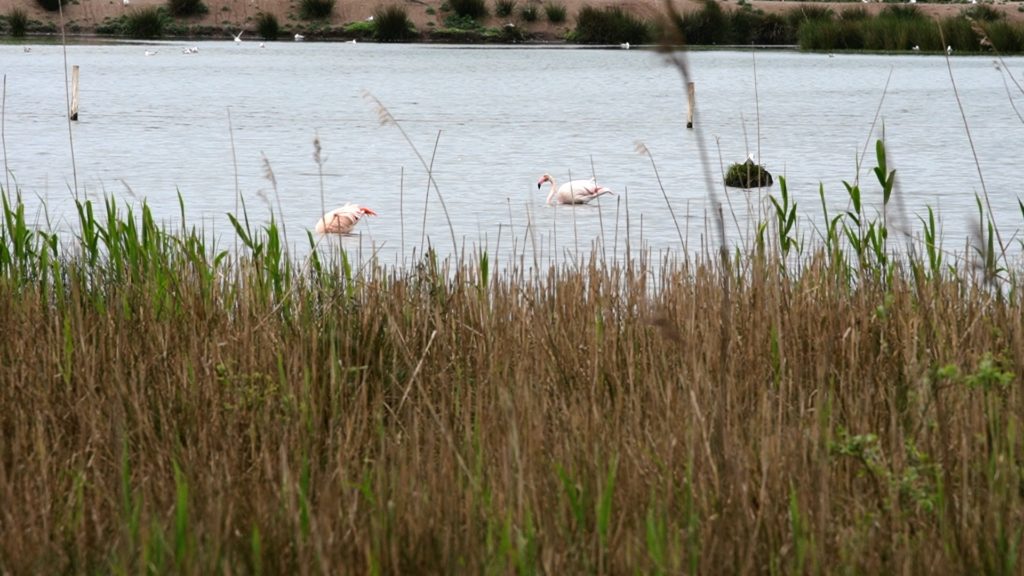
{"x":690,"y":100}
{"x":74,"y":93}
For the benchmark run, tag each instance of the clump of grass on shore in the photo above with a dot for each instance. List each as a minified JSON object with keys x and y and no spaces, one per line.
{"x":392,"y":24}
{"x":610,"y":25}
{"x":529,"y":13}
{"x":186,"y":8}
{"x":555,"y":12}
{"x":472,"y":9}
{"x":51,"y":5}
{"x":144,"y":23}
{"x":819,"y":401}
{"x":504,"y":8}
{"x":316,"y":9}
{"x":17,"y":22}
{"x":267,"y":26}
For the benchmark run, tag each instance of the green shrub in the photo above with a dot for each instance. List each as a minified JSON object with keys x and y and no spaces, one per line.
{"x":504,"y":8}
{"x":469,"y":8}
{"x":555,"y":12}
{"x":529,"y":13}
{"x":51,"y":5}
{"x":958,"y":34}
{"x":857,"y":14}
{"x":184,"y":8}
{"x":902,"y":12}
{"x":144,"y":23}
{"x":610,"y":26}
{"x":743,"y":26}
{"x":706,"y":26}
{"x":774,"y":30}
{"x":316,"y":9}
{"x":393,"y":24}
{"x":17,"y":20}
{"x":798,"y":16}
{"x":1005,"y":36}
{"x":267,"y":26}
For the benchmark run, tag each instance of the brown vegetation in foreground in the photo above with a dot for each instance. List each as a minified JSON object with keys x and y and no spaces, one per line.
{"x":166,"y":409}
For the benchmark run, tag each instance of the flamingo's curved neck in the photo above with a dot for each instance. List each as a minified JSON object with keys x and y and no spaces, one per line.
{"x":554,"y":186}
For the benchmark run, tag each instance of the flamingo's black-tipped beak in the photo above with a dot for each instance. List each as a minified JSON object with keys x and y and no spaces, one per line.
{"x":538,"y":185}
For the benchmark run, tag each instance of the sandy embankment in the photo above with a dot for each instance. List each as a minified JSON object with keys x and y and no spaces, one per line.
{"x":240,"y":14}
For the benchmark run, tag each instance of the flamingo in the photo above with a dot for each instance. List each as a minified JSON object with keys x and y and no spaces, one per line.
{"x":342,"y":220}
{"x":574,"y":192}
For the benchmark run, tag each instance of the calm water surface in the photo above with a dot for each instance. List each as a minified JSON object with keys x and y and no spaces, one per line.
{"x":155,"y":126}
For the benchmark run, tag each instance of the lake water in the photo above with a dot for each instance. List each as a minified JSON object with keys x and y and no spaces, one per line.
{"x":155,"y":126}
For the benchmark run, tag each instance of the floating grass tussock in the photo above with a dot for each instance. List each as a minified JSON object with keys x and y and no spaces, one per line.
{"x":17,"y":22}
{"x":186,"y":8}
{"x":821,"y":401}
{"x":747,"y":175}
{"x":267,"y":26}
{"x":392,"y":24}
{"x":609,"y":26}
{"x":316,"y":9}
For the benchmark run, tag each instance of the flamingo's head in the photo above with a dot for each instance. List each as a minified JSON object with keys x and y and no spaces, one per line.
{"x":543,"y":179}
{"x":367,"y":211}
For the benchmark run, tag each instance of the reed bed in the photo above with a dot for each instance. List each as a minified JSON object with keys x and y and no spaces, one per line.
{"x":813,"y":403}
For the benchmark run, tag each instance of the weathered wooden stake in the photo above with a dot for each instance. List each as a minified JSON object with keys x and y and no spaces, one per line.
{"x":74,"y":92}
{"x":690,"y":97}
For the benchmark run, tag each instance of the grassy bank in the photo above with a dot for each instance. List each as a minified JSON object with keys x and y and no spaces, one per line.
{"x":811,"y":403}
{"x":811,"y":25}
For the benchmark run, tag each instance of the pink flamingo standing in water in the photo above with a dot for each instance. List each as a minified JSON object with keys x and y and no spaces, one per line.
{"x":573,"y":192}
{"x":342,"y":220}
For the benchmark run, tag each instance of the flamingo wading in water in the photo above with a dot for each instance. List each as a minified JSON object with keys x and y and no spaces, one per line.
{"x":342,"y":220}
{"x":573,"y":192}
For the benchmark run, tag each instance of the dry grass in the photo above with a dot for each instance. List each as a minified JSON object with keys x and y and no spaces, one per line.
{"x":167,"y":408}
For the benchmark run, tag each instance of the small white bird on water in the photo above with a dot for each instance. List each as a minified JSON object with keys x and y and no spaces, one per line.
{"x":26,"y":49}
{"x":238,"y":37}
{"x":299,"y":37}
{"x":152,"y":53}
{"x":624,"y":45}
{"x":352,"y":41}
{"x":949,"y":49}
{"x":916,"y":48}
{"x":262,"y":45}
